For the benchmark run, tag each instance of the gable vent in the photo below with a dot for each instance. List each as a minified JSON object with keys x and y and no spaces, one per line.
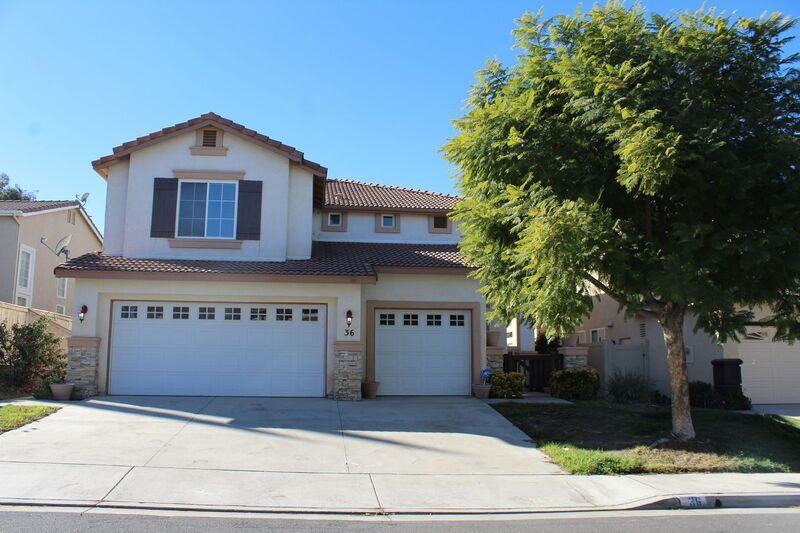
{"x":642,"y":330}
{"x":756,"y":336}
{"x":209,"y":138}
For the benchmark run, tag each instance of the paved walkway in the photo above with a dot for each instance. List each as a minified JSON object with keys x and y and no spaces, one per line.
{"x":386,"y":456}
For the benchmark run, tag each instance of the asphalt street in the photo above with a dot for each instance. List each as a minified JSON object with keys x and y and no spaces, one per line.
{"x":726,"y":520}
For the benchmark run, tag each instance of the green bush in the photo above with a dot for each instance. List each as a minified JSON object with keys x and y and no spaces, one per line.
{"x":506,"y":385}
{"x":31,"y":356}
{"x":575,"y":383}
{"x":699,"y":392}
{"x":628,"y":386}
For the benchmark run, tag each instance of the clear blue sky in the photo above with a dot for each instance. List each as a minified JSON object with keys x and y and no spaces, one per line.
{"x":366,"y":88}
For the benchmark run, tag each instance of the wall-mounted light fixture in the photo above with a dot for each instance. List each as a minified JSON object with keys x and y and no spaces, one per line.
{"x":82,"y":314}
{"x":349,"y":318}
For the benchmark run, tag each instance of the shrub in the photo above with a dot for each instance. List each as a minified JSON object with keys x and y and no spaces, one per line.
{"x":699,"y":392}
{"x":733,"y":401}
{"x":657,"y":398}
{"x":575,"y":383}
{"x":628,"y":386}
{"x":31,"y":356}
{"x":506,"y":385}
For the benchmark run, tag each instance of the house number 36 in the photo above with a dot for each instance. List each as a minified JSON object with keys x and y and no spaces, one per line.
{"x":349,"y":332}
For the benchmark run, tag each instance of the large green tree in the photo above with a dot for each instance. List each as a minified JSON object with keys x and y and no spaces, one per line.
{"x":15,"y":192}
{"x":651,"y":158}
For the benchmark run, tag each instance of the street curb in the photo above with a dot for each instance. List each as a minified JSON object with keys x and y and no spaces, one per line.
{"x":659,"y":503}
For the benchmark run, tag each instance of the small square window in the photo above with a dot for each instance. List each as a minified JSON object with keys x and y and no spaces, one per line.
{"x":207,"y":313}
{"x":434,"y":320}
{"x":129,"y":311}
{"x":180,"y":313}
{"x":258,"y":313}
{"x":61,"y":310}
{"x":22,"y":301}
{"x":283,"y":315}
{"x":456,"y":320}
{"x":386,"y":319}
{"x":387,"y":221}
{"x":440,"y":221}
{"x":233,"y":313}
{"x":155,"y":312}
{"x":411,"y":320}
{"x":335,"y":219}
{"x":310,"y":315}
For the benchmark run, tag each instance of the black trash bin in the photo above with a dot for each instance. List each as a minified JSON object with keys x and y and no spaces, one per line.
{"x":727,"y":375}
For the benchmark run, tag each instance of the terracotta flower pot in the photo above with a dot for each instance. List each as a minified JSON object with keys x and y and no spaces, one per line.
{"x":61,"y":391}
{"x":481,"y":390}
{"x":369,"y":389}
{"x":493,"y":338}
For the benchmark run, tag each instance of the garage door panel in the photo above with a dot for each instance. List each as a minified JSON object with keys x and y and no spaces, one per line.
{"x":175,"y":355}
{"x":422,"y":359}
{"x":770,"y":371}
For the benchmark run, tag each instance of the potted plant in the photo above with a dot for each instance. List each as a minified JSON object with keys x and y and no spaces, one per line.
{"x":481,"y":390}
{"x":369,"y":389}
{"x":61,"y":391}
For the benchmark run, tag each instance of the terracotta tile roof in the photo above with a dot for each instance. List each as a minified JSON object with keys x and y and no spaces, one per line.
{"x":32,"y":206}
{"x":341,"y":193}
{"x":208,"y":119}
{"x":327,"y":259}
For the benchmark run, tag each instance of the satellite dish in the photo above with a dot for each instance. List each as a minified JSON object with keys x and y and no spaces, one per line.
{"x":61,"y":247}
{"x":84,"y":197}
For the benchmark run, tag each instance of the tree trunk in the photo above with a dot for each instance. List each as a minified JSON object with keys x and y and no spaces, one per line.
{"x":671,"y":316}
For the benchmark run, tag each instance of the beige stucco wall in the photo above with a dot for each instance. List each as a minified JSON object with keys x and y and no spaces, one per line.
{"x":287,"y":196}
{"x":9,"y":232}
{"x":53,"y":226}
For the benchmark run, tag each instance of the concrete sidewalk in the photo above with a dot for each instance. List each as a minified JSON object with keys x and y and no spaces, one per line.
{"x":237,"y":490}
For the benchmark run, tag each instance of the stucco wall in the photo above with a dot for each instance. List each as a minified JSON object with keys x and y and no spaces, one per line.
{"x":258,"y":163}
{"x":9,"y":231}
{"x":54,"y":226}
{"x":361,"y":228}
{"x":116,"y":199}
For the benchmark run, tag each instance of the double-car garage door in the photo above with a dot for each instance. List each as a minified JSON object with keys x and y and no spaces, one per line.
{"x":770,"y":370}
{"x":217,"y":349}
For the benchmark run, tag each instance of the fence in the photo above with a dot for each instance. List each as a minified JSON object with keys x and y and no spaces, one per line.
{"x":606,"y":358}
{"x":60,"y":325}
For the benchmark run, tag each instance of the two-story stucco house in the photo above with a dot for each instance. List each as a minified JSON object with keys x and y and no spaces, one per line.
{"x":233,"y":266}
{"x":26,"y":263}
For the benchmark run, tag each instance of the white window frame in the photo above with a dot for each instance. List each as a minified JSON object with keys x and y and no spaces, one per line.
{"x":341,"y":219}
{"x":21,"y":297}
{"x":394,"y":220}
{"x":26,"y":292}
{"x":580,"y":337}
{"x":601,"y":334}
{"x":61,"y":309}
{"x":205,"y":225}
{"x":59,"y":281}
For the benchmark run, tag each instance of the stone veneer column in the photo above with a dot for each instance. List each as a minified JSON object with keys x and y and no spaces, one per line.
{"x":82,"y":358}
{"x":348,"y":374}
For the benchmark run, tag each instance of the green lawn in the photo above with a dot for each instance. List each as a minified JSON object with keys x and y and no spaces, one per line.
{"x":14,"y":416}
{"x":606,"y":438}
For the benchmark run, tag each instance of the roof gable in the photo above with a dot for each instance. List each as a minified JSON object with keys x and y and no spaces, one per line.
{"x":26,"y":208}
{"x":208,"y":119}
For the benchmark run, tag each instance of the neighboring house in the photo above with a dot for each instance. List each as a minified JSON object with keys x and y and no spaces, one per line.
{"x":615,"y":341}
{"x":26,"y":265}
{"x":233,"y":266}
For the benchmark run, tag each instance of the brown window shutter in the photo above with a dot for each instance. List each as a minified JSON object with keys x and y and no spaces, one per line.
{"x":165,"y":203}
{"x":248,"y":219}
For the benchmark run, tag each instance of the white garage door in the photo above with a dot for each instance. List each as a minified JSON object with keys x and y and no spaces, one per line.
{"x":770,"y":370}
{"x":422,"y":352}
{"x":217,"y":349}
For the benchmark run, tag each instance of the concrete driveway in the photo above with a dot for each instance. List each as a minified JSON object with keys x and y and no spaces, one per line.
{"x":268,"y":452}
{"x":789,"y":410}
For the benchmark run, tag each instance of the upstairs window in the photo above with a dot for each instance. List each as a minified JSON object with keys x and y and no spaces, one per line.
{"x":335,"y":219}
{"x":387,"y":221}
{"x":61,"y":288}
{"x":439,"y":224}
{"x":207,"y":210}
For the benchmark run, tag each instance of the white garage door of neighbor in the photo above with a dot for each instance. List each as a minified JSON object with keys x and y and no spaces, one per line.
{"x":770,"y":370}
{"x":422,"y":352}
{"x":217,"y":349}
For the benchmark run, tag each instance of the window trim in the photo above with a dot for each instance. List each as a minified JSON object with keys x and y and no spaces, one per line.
{"x":205,"y":237}
{"x":599,"y":337}
{"x":58,"y":288}
{"x":380,"y":228}
{"x":434,"y":229}
{"x":325,"y":221}
{"x":25,"y":291}
{"x":580,"y":334}
{"x":63,"y":309}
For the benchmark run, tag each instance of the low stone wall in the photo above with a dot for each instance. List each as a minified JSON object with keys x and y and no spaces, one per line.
{"x":82,"y":355}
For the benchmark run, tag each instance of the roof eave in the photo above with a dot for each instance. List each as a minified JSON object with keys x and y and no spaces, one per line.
{"x":61,"y":272}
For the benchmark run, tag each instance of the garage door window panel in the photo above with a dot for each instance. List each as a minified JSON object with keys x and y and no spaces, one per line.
{"x":129,"y":311}
{"x":207,"y":313}
{"x":233,"y":313}
{"x":456,"y":320}
{"x":258,"y":313}
{"x":434,"y":320}
{"x":310,"y":315}
{"x":283,"y":315}
{"x":386,"y":319}
{"x":155,"y":312}
{"x":411,"y":320}
{"x":180,"y":313}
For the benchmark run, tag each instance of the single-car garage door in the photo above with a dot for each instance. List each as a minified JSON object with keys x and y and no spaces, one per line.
{"x":770,"y":370}
{"x":422,"y":352}
{"x":217,"y":349}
